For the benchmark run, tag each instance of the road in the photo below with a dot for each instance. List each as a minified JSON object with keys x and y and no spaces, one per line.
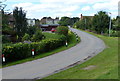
{"x":89,"y":46}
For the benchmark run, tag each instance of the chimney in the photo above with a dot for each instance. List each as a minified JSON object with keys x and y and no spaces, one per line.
{"x":81,"y":17}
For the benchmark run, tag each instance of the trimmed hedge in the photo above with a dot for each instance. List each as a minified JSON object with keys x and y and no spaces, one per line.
{"x":23,"y":50}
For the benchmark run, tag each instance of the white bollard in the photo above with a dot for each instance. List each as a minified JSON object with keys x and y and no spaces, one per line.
{"x":33,"y":53}
{"x":66,"y":44}
{"x":3,"y":58}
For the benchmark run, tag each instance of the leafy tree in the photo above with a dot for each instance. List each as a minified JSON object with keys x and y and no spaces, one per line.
{"x":115,"y":24}
{"x":26,"y":37}
{"x":20,"y":21}
{"x":65,"y":21}
{"x":101,"y":22}
{"x":62,"y":30}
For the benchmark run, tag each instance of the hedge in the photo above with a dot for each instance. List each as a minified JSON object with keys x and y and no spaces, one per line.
{"x":23,"y":50}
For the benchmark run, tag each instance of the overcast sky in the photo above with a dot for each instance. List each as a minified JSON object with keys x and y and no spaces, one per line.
{"x":58,"y":8}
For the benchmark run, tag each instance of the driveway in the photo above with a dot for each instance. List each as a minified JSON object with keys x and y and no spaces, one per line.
{"x":88,"y":47}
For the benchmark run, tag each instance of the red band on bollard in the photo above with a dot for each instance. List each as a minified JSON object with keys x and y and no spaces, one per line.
{"x":32,"y":49}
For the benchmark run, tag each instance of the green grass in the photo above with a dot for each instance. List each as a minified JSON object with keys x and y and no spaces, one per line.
{"x":51,"y":35}
{"x":106,"y":64}
{"x":41,"y":55}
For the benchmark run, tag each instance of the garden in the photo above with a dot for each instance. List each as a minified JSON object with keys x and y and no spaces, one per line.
{"x":40,"y":42}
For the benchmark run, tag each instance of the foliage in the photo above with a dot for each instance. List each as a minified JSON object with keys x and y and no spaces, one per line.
{"x":115,"y":24}
{"x":20,"y":21}
{"x":26,"y":37}
{"x":85,"y":23}
{"x":115,"y":33}
{"x":101,"y":22}
{"x":5,"y":39}
{"x":39,"y":55}
{"x":23,"y":50}
{"x":37,"y":36}
{"x":65,"y":21}
{"x":4,"y":20}
{"x":62,"y":30}
{"x":31,"y":30}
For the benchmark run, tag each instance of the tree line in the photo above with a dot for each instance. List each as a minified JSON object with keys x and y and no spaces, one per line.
{"x":99,"y":23}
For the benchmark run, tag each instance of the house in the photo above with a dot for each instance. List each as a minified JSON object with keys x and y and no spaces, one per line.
{"x":56,"y":20}
{"x":49,"y":20}
{"x":31,"y":22}
{"x":84,"y":17}
{"x":9,"y":19}
{"x":46,"y":27}
{"x":47,"y":23}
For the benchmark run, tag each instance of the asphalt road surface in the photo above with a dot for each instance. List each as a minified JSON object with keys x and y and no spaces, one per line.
{"x":89,"y":46}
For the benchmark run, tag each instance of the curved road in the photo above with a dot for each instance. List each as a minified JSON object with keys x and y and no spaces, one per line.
{"x":89,"y":46}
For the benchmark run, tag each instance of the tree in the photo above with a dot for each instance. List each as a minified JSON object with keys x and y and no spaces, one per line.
{"x":62,"y":30}
{"x":101,"y":22}
{"x":20,"y":21}
{"x":65,"y":21}
{"x":115,"y":24}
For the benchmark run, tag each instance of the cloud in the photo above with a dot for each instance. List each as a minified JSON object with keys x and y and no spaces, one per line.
{"x":40,"y":8}
{"x":86,"y":8}
{"x":111,"y":5}
{"x":47,"y":8}
{"x":24,"y":5}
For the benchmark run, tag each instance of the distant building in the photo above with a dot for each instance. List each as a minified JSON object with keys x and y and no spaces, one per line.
{"x":83,"y":17}
{"x":47,"y":23}
{"x":46,"y":27}
{"x":31,"y":22}
{"x":49,"y":20}
{"x":10,"y":19}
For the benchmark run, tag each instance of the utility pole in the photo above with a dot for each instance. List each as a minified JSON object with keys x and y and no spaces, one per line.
{"x":110,"y":24}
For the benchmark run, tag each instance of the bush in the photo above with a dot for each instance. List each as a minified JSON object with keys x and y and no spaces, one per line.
{"x":37,"y":36}
{"x":62,"y":30}
{"x":5,"y":39}
{"x":23,"y":50}
{"x":116,"y":34}
{"x":26,"y":37}
{"x":31,"y":30}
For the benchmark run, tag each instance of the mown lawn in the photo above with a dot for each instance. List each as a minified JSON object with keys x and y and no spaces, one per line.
{"x":71,"y":43}
{"x":102,"y":66}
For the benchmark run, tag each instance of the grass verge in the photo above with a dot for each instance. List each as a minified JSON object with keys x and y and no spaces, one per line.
{"x":102,"y":66}
{"x":71,"y":43}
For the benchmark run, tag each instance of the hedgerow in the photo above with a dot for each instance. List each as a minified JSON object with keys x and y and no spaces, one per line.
{"x":19,"y":51}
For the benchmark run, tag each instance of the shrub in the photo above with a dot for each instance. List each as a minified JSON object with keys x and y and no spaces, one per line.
{"x":62,"y":30}
{"x":23,"y":50}
{"x":37,"y":36}
{"x":26,"y":37}
{"x":5,"y":39}
{"x":31,"y":30}
{"x":116,"y":34}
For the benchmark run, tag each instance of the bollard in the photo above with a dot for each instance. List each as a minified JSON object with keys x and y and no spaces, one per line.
{"x":3,"y":57}
{"x":33,"y":53}
{"x":66,"y":44}
{"x":77,"y":39}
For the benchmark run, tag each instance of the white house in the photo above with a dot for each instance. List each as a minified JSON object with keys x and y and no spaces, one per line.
{"x":31,"y":22}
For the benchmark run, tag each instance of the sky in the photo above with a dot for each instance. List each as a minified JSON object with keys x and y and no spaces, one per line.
{"x":59,"y":8}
